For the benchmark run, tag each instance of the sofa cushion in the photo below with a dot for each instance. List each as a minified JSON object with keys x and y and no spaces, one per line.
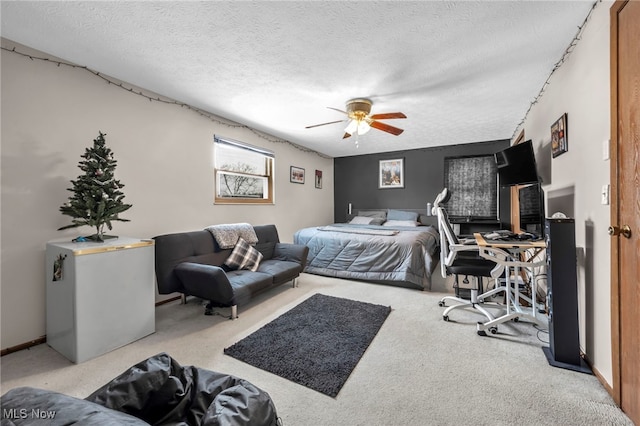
{"x":173,"y":249}
{"x":244,"y":256}
{"x":267,"y":239}
{"x":281,"y":270}
{"x":246,"y":284}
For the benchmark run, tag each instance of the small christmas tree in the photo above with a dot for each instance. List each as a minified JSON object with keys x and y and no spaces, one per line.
{"x":97,"y":199}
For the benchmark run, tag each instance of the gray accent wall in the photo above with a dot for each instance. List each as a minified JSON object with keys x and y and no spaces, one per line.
{"x":356,"y":178}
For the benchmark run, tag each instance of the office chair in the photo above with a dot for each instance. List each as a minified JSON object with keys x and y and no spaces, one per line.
{"x":458,"y":259}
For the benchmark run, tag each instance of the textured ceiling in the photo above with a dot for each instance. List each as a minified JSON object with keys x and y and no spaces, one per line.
{"x":462,"y":71}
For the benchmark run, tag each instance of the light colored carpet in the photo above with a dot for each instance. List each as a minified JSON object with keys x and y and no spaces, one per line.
{"x":419,"y":370}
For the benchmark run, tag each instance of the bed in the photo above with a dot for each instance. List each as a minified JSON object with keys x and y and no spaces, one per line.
{"x":393,"y":251}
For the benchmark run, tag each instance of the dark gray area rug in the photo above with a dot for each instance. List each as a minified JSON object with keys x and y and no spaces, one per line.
{"x":316,"y":344}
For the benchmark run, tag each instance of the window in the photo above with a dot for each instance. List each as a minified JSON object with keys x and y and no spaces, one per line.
{"x":473,"y":183}
{"x":243,"y":173}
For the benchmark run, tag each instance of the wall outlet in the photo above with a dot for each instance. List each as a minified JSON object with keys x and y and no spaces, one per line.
{"x":605,"y":194}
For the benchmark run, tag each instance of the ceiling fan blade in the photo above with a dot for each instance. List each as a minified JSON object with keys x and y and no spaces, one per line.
{"x":339,"y":110}
{"x":385,"y":127}
{"x":346,"y":135}
{"x":388,"y":115}
{"x":324,"y":124}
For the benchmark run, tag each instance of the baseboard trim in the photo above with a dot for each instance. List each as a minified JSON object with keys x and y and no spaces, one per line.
{"x":598,"y":375}
{"x":602,"y":381}
{"x":169,"y":300}
{"x":43,"y":339}
{"x":22,"y":346}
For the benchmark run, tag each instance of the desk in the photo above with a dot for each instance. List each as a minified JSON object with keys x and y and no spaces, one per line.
{"x":507,"y":253}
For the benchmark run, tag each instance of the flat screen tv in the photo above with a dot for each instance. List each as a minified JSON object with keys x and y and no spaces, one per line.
{"x":517,"y":165}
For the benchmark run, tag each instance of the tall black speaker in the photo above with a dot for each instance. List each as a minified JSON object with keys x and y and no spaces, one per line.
{"x":562,"y":295}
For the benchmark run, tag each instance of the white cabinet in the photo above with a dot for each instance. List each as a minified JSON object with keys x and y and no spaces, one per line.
{"x":100,"y":296}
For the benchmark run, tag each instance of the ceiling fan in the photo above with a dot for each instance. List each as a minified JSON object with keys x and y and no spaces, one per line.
{"x":360,"y":122}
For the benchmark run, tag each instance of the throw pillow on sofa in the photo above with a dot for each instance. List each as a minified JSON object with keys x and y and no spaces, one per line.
{"x":244,"y":256}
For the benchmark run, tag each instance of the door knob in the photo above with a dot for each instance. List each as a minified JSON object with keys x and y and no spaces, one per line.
{"x":615,"y":231}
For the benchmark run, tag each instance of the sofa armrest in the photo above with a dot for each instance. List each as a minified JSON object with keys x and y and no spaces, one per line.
{"x":205,"y":281}
{"x":291,"y":252}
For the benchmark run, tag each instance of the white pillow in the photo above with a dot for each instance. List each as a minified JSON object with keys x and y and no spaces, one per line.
{"x":401,"y":223}
{"x":361,"y":220}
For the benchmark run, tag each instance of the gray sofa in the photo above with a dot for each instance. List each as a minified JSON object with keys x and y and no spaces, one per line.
{"x":192,"y":263}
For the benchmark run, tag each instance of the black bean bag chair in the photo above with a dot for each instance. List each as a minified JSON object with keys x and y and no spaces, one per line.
{"x":156,"y":391}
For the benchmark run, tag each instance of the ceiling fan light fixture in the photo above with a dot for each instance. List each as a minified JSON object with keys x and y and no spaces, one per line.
{"x":356,"y":126}
{"x":351,"y":127}
{"x":363,"y":127}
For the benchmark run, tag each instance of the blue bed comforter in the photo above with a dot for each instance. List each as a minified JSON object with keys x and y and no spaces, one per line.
{"x":394,"y":255}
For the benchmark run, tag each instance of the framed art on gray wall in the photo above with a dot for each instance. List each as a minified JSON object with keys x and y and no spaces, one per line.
{"x":391,"y":174}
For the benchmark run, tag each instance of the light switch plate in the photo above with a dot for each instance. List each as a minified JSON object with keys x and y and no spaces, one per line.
{"x":605,"y":149}
{"x":605,"y":194}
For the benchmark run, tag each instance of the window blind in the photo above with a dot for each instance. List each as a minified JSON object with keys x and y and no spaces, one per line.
{"x":473,"y":183}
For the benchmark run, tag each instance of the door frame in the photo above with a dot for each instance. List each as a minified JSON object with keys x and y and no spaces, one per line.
{"x":614,"y":210}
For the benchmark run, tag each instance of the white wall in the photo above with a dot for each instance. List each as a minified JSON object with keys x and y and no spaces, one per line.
{"x":50,"y":114}
{"x":580,"y":88}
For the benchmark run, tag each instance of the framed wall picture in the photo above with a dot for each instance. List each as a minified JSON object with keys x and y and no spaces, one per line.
{"x":296,"y":175}
{"x":391,"y":174}
{"x":319,"y":179}
{"x":559,"y":141}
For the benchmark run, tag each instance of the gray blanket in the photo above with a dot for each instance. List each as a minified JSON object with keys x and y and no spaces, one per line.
{"x":355,"y":230}
{"x":227,"y":235}
{"x":406,"y":258}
